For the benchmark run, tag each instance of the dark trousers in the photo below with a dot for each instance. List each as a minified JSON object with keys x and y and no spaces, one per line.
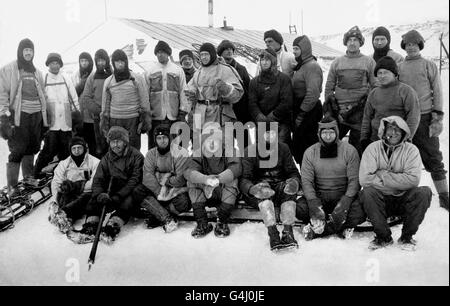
{"x":89,"y":136}
{"x":77,"y":208}
{"x":56,"y":143}
{"x":429,"y":149}
{"x":334,"y":222}
{"x":161,"y":210}
{"x":305,"y":135}
{"x":101,"y":146}
{"x":354,"y":136}
{"x":411,"y":206}
{"x":123,"y":209}
{"x":26,"y":139}
{"x":223,"y":197}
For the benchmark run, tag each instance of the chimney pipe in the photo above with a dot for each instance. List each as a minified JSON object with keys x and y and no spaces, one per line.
{"x":210,"y":14}
{"x":224,"y":22}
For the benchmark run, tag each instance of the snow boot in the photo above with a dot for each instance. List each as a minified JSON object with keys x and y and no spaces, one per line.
{"x":274,"y":238}
{"x":153,"y":222}
{"x":407,"y":243}
{"x":287,"y":238}
{"x":347,"y":233}
{"x":12,"y":176}
{"x":201,"y":230}
{"x":170,"y":225}
{"x":59,"y":218}
{"x":442,"y":190}
{"x":111,"y":230}
{"x":221,"y":229}
{"x":379,"y":243}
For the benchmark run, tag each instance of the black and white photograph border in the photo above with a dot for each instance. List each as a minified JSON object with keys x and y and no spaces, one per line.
{"x":33,"y":251}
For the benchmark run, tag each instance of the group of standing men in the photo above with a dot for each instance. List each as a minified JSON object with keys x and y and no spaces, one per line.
{"x":384,"y":101}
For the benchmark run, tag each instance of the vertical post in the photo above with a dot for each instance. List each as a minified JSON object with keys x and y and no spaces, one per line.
{"x":210,"y":14}
{"x":106,"y":11}
{"x":302,"y":23}
{"x":440,"y":53}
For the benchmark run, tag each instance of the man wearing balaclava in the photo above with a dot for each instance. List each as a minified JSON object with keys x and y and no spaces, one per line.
{"x":163,"y":191}
{"x":74,"y":176}
{"x":381,"y":42}
{"x":307,"y":86}
{"x":92,"y":100}
{"x":270,"y":96}
{"x":79,"y":78}
{"x":212,"y":91}
{"x":349,"y":82}
{"x":330,"y":185}
{"x":125,"y":101}
{"x":23,"y":112}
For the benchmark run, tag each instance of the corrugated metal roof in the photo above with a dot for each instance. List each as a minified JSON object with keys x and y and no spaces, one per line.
{"x":190,"y":37}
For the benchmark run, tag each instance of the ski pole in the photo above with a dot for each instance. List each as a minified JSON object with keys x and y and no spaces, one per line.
{"x":91,"y":260}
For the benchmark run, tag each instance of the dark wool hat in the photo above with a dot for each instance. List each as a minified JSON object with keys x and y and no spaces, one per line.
{"x":354,"y":32}
{"x":86,"y":56}
{"x":162,"y":129}
{"x":119,"y":55}
{"x":52,"y":57}
{"x":382,"y":31}
{"x":270,"y":54}
{"x":275,"y":35}
{"x":412,"y":37}
{"x":118,"y":133}
{"x":225,"y":44}
{"x":185,"y":53}
{"x":163,"y":46}
{"x":388,"y":63}
{"x":77,"y":141}
{"x":208,"y":47}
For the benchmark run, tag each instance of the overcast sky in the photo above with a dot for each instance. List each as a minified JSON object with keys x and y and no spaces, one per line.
{"x":59,"y":23}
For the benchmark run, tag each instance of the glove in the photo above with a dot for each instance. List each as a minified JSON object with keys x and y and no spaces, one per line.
{"x":316,"y":210}
{"x":299,"y":119}
{"x":436,"y":125}
{"x":6,"y":128}
{"x":103,"y":198}
{"x":331,"y":107}
{"x":212,"y":181}
{"x":94,"y":108}
{"x":145,"y":124}
{"x":343,"y":206}
{"x":261,"y":118}
{"x":364,"y":144}
{"x":291,"y":187}
{"x":223,"y":88}
{"x":262,"y":191}
{"x":318,"y":226}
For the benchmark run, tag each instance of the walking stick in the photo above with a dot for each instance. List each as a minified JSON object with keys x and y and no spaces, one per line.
{"x":91,"y":260}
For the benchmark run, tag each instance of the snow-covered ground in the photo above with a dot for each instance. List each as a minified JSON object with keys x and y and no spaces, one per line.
{"x":34,"y":253}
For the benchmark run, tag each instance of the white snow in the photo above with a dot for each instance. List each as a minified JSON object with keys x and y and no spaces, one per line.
{"x":35,"y":253}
